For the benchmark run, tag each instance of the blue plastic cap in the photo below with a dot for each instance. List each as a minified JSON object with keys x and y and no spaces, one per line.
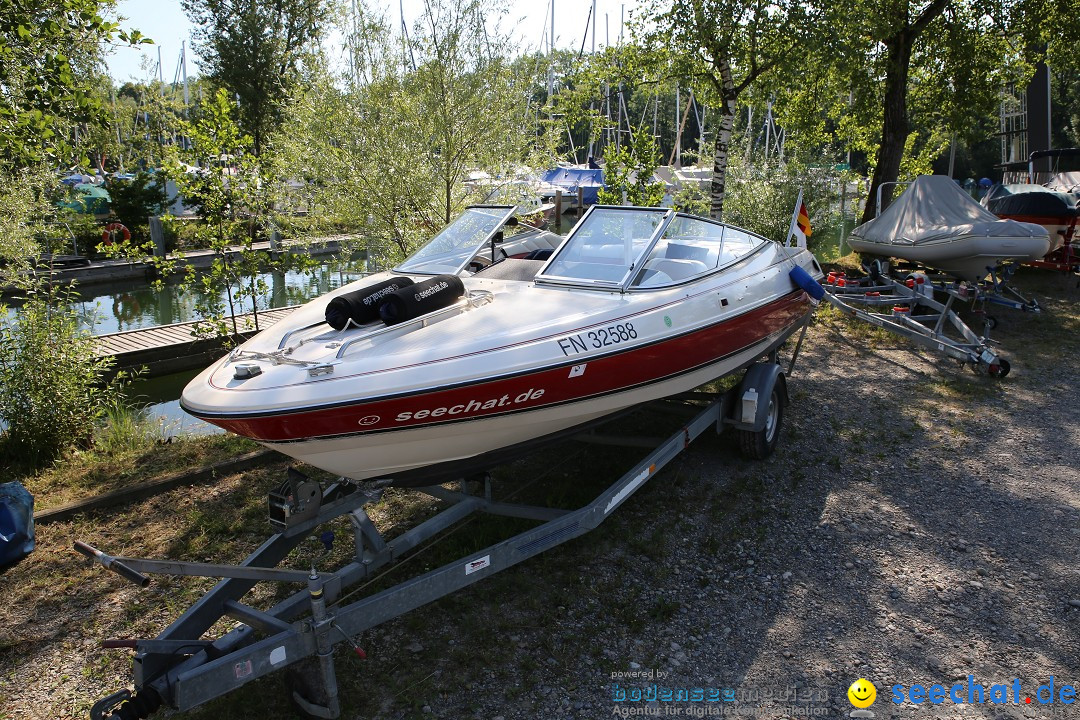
{"x":803,"y":279}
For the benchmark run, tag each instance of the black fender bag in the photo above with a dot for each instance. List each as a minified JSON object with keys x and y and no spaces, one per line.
{"x":421,"y":298}
{"x":362,"y":306}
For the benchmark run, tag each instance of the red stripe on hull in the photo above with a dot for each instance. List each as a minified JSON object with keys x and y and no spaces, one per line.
{"x":553,"y":386}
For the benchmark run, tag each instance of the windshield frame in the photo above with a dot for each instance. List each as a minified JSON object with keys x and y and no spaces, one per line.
{"x":476,"y":247}
{"x":596,"y":284}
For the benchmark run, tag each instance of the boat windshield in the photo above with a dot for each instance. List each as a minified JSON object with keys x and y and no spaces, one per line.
{"x":606,"y":246}
{"x":451,"y":250}
{"x":691,"y":247}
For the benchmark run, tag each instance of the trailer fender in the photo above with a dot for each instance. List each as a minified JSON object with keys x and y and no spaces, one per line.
{"x":751,"y":406}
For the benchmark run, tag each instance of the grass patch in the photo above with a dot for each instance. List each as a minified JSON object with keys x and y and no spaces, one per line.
{"x":464,"y":637}
{"x":130,"y":457}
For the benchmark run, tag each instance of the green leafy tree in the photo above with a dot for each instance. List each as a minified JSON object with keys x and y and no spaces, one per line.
{"x":48,"y":56}
{"x":723,"y":47}
{"x":134,"y":201}
{"x":628,"y":173}
{"x":606,"y":94}
{"x":233,"y":201}
{"x":464,"y":82}
{"x":389,"y":146}
{"x":256,"y":49}
{"x":899,"y":80}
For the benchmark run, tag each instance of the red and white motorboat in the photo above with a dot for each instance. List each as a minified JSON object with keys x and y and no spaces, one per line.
{"x":466,"y":360}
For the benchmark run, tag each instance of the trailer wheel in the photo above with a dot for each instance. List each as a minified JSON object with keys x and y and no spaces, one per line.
{"x":991,"y":322}
{"x":999,"y":369}
{"x":758,"y":445}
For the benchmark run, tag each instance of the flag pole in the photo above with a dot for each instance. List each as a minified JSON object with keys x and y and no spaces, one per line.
{"x":794,"y":222}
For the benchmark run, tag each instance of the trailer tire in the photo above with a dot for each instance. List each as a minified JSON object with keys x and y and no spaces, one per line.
{"x":999,"y":369}
{"x":759,"y":444}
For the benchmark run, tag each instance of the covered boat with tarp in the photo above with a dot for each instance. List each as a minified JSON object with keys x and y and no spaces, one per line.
{"x":1066,"y":182}
{"x":936,"y":224}
{"x":569,"y":179}
{"x":1055,"y":211}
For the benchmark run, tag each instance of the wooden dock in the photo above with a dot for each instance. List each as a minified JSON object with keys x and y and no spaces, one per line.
{"x":174,"y":348}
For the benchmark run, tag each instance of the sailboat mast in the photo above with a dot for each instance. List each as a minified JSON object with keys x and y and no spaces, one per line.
{"x":183,"y":70}
{"x":678,"y":127}
{"x":607,"y":87}
{"x":551,"y":66}
{"x":592,"y":18}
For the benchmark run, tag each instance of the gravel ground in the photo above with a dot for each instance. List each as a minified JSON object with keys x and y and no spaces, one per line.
{"x":918,"y":525}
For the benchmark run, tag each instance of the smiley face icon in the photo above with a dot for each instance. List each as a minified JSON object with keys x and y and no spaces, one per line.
{"x":862,"y":693}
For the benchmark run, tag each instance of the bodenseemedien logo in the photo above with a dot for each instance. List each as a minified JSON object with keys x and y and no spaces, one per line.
{"x":861,"y":695}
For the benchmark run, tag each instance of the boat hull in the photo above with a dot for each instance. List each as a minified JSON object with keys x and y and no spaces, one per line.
{"x":395,"y":443}
{"x":968,"y":257}
{"x":1059,"y":229}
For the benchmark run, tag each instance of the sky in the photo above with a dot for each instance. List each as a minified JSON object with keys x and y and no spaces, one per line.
{"x":168,"y":26}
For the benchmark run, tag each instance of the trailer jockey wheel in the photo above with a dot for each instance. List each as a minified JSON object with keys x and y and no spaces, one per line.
{"x":999,"y":369}
{"x":991,"y":322}
{"x":760,"y":444}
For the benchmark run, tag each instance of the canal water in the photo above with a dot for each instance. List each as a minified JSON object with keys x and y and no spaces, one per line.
{"x":132,"y":306}
{"x":160,"y":399}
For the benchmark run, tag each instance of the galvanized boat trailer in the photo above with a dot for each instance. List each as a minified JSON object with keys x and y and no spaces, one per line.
{"x":182,"y":670}
{"x":911,"y":311}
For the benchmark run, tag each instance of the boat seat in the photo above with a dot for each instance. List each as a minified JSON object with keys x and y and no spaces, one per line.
{"x":677,"y":268}
{"x":530,"y":241}
{"x":688,"y":250}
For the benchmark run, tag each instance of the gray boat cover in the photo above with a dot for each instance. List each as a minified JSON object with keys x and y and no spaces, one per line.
{"x":934,"y":209}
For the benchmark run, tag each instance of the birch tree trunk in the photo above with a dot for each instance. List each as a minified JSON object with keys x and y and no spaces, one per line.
{"x":723,"y":142}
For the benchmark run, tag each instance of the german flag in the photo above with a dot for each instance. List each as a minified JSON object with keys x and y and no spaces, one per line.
{"x":800,"y":224}
{"x":803,"y":220}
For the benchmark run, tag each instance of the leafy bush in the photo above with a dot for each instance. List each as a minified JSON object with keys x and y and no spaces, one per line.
{"x":85,"y":229}
{"x":761,"y":197}
{"x":51,"y":383}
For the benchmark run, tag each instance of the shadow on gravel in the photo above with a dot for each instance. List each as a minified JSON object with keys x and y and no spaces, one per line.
{"x":918,"y":524}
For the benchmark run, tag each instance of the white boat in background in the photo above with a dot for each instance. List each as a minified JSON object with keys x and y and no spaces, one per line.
{"x":454,"y":361}
{"x":936,"y":224}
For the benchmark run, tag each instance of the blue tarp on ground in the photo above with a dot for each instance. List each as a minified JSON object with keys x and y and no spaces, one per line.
{"x":570,"y":179}
{"x":16,"y":523}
